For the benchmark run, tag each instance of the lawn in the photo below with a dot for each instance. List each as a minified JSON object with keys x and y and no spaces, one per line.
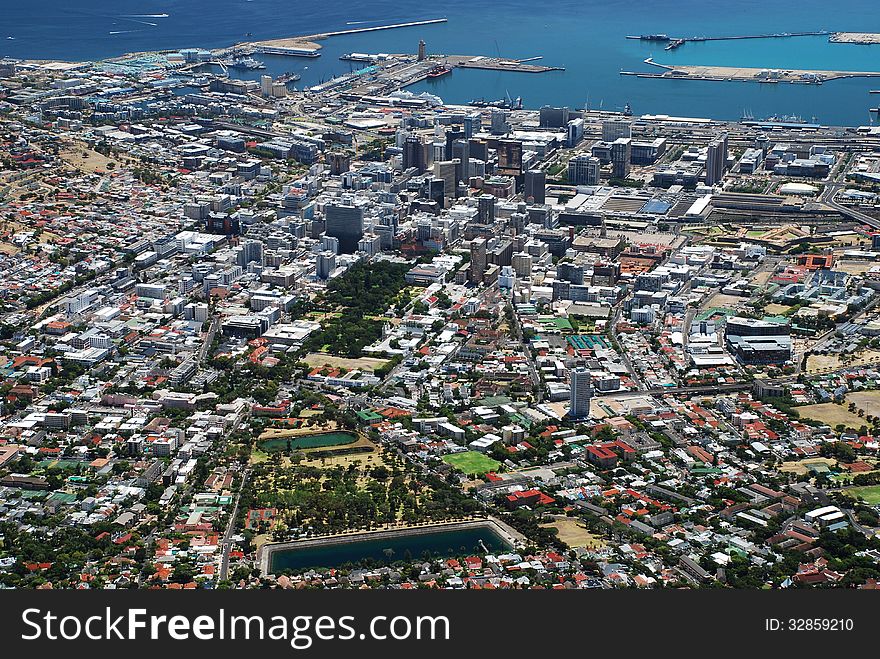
{"x":870,"y":493}
{"x":831,"y":414}
{"x":471,"y":462}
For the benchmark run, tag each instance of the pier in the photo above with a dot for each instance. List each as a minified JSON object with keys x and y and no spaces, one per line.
{"x":677,"y":42}
{"x":743,"y":74}
{"x":307,"y":46}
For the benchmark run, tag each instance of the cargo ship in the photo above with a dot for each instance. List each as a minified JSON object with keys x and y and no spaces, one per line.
{"x":438,"y":71}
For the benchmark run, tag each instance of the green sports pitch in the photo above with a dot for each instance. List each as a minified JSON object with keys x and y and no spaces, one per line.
{"x":471,"y":462}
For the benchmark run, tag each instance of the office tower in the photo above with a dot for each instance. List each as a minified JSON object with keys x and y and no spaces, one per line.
{"x":486,"y":209}
{"x":613,"y":129}
{"x":522,"y":265}
{"x":509,"y":158}
{"x":451,"y":135}
{"x":325,"y":263}
{"x":339,"y":162}
{"x":620,"y":155}
{"x":478,"y":260}
{"x":499,"y":125}
{"x":534,"y":185}
{"x":248,"y":252}
{"x":330,"y":244}
{"x":422,"y":50}
{"x":473,"y":123}
{"x":716,"y":160}
{"x":446,"y":170}
{"x":461,"y":152}
{"x":575,"y":132}
{"x":583,"y":170}
{"x":344,"y":221}
{"x":550,"y":117}
{"x":415,"y":153}
{"x":581,"y":393}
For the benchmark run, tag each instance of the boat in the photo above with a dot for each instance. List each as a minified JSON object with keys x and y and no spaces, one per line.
{"x":874,"y":91}
{"x":288,"y":77}
{"x":438,"y":71}
{"x":627,"y":110}
{"x":651,"y":37}
{"x":248,"y":63}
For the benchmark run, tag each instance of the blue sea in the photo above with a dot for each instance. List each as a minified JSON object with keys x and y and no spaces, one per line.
{"x":587,"y":37}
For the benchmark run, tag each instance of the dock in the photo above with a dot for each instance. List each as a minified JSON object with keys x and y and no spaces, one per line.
{"x":743,"y":74}
{"x":677,"y":42}
{"x":307,"y":46}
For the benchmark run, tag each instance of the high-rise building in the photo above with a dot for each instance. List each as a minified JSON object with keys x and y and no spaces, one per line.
{"x":584,"y":169}
{"x":461,"y":152}
{"x":716,"y":160}
{"x":415,"y":153}
{"x":613,"y":129}
{"x":473,"y":123}
{"x":325,"y":263}
{"x":344,"y":221}
{"x":248,"y":251}
{"x":522,"y":265}
{"x":499,"y":125}
{"x":534,"y":186}
{"x":620,"y":156}
{"x":478,"y":260}
{"x":581,"y":393}
{"x":447,"y":170}
{"x":422,"y":50}
{"x":339,"y":162}
{"x":550,"y":117}
{"x":486,"y":208}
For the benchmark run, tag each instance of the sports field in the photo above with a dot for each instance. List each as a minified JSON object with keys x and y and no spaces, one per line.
{"x":471,"y":462}
{"x":870,"y":493}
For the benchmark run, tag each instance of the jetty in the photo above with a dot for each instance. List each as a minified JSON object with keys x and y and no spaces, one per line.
{"x":307,"y":46}
{"x":677,"y":42}
{"x":744,"y":74}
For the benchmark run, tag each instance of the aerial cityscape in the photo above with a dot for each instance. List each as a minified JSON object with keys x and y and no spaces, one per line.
{"x":291,"y":312}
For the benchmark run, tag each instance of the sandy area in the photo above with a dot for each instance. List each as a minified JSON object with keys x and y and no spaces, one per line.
{"x":855,"y":37}
{"x":819,"y":363}
{"x":866,"y":400}
{"x":363,"y":364}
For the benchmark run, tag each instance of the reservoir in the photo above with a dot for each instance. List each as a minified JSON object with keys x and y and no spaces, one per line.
{"x":388,"y":546}
{"x":318,"y":440}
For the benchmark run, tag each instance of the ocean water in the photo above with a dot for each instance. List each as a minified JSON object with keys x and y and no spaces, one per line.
{"x":587,"y":37}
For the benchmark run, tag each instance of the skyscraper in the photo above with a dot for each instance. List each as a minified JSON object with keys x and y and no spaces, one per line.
{"x":583,"y":169}
{"x":621,"y":149}
{"x":325,"y":263}
{"x":422,"y":50}
{"x":534,"y":186}
{"x":478,"y":260}
{"x":581,"y":393}
{"x":613,"y":129}
{"x":716,"y":160}
{"x":414,"y":153}
{"x":344,"y":221}
{"x":486,"y":209}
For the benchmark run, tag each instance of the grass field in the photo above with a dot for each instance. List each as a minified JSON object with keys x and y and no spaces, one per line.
{"x":471,"y":462}
{"x":870,"y":493}
{"x":801,"y":467}
{"x":819,"y":363}
{"x":573,"y":533}
{"x":831,"y":414}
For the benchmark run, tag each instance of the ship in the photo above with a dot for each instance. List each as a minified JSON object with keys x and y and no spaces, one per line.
{"x":627,"y":110}
{"x":438,"y":71}
{"x":248,"y":63}
{"x":288,"y":77}
{"x":651,"y":37}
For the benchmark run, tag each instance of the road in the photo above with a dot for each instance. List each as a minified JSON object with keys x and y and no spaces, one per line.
{"x":226,"y":546}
